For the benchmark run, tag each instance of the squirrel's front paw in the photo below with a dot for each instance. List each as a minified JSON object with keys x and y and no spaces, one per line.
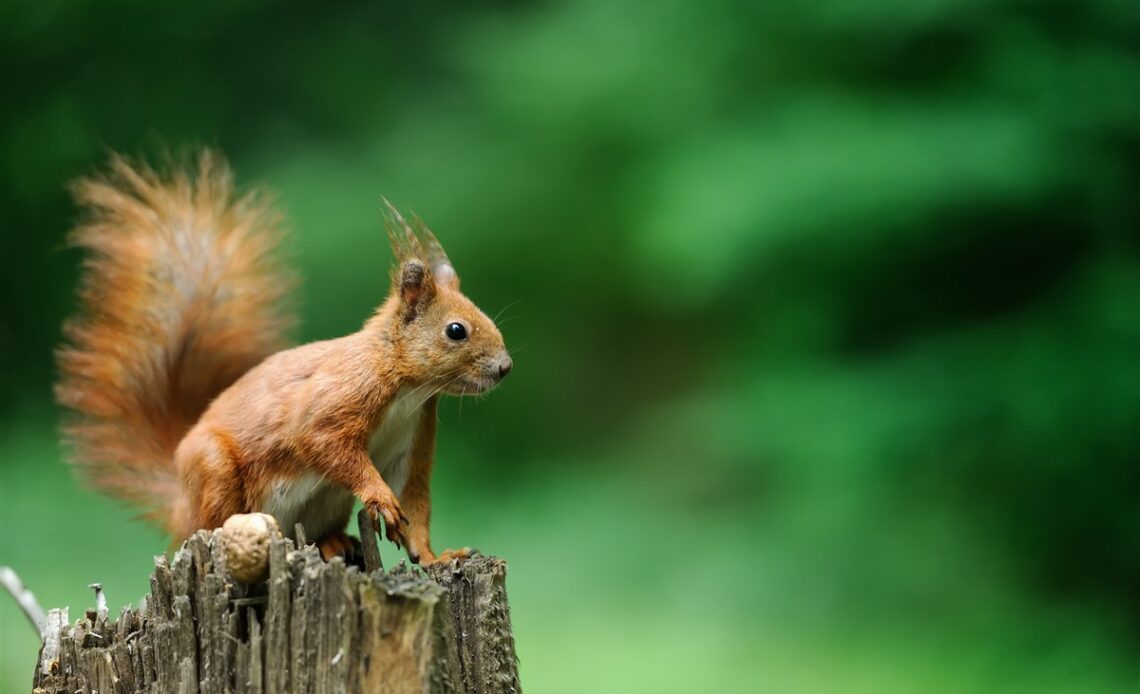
{"x":395,"y":522}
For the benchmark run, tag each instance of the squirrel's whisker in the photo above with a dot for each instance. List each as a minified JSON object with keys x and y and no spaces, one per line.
{"x":516,"y":302}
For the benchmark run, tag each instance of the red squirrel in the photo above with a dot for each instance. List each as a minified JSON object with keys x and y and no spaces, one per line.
{"x":185,"y":400}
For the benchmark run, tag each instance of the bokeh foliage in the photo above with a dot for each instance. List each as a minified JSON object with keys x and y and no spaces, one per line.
{"x":825,"y":314}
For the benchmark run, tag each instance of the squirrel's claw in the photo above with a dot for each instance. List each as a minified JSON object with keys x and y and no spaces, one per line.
{"x":395,"y":522}
{"x":394,"y":535}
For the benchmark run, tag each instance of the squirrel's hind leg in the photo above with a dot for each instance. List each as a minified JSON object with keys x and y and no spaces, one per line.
{"x":340,"y":544}
{"x":214,"y":490}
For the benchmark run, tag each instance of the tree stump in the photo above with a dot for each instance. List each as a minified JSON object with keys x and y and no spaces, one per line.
{"x":313,"y":626}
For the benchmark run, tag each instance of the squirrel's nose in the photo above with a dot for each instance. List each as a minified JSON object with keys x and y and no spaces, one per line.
{"x":505,"y":366}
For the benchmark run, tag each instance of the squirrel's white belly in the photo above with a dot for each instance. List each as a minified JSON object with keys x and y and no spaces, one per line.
{"x":391,"y":444}
{"x":311,"y":500}
{"x":322,"y":505}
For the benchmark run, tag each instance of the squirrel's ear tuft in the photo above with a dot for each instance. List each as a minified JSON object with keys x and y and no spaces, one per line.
{"x":403,"y":239}
{"x":416,"y":288}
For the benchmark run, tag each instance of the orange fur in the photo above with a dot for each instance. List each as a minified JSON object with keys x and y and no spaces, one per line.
{"x":181,"y":294}
{"x":182,"y":298}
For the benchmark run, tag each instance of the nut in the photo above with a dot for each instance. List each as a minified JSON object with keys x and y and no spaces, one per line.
{"x":246,"y":538}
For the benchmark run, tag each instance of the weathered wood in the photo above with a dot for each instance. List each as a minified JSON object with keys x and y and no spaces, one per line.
{"x":368,"y":544}
{"x":312,"y":626}
{"x":477,"y":649}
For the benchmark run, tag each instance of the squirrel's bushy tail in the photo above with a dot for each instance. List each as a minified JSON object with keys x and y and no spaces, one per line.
{"x":182,"y":291}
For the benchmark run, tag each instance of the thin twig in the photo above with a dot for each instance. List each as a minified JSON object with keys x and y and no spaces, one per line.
{"x":24,"y":598}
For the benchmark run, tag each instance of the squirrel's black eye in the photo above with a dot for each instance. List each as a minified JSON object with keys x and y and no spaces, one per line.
{"x":456,"y":331}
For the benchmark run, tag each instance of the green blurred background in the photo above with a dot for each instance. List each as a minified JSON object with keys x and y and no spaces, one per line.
{"x":825,"y":315}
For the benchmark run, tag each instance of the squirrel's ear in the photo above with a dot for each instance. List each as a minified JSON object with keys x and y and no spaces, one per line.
{"x":445,"y":275}
{"x":416,"y":288}
{"x":441,"y":268}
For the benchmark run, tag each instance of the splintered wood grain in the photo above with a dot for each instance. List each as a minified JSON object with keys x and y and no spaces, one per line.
{"x":312,"y":627}
{"x":277,"y":618}
{"x":478,"y":649}
{"x":368,"y":545}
